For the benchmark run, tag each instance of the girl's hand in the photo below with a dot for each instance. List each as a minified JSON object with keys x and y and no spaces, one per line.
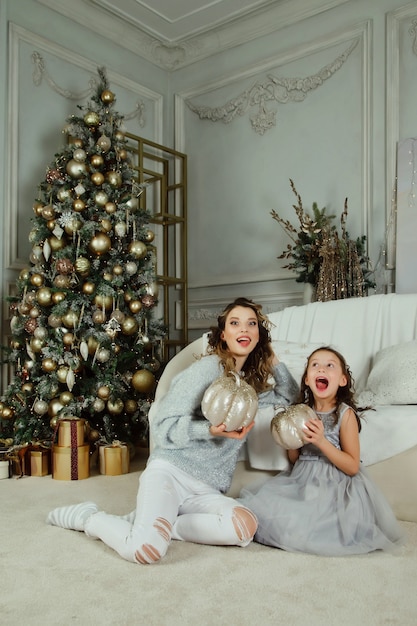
{"x":220,"y":431}
{"x":314,"y":432}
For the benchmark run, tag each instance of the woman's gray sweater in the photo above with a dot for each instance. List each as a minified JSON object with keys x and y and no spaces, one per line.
{"x":181,"y":434}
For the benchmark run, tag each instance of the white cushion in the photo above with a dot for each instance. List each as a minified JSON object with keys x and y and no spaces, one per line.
{"x":393,"y":377}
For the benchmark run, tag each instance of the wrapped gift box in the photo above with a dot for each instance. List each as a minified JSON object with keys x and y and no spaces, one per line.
{"x":114,"y":459}
{"x":40,"y":462}
{"x":71,"y":432}
{"x":71,"y":463}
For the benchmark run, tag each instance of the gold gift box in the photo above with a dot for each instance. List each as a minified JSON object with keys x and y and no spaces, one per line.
{"x":40,"y":462}
{"x":62,"y":466}
{"x":65,"y":427}
{"x":114,"y":459}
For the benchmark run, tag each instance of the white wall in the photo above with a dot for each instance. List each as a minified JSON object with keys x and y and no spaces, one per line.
{"x":339,"y":141}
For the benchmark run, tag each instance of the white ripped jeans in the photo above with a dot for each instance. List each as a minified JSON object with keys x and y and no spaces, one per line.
{"x":171,"y":504}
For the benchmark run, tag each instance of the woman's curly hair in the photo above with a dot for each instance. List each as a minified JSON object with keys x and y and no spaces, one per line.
{"x":344,"y":394}
{"x":258,"y":366}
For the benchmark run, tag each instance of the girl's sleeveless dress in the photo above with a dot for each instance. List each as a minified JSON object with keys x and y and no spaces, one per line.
{"x":316,"y":508}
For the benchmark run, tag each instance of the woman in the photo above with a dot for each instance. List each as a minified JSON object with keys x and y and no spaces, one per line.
{"x":181,"y":491}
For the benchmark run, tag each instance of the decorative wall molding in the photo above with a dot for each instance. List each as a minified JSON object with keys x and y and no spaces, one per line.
{"x":273,"y":88}
{"x":175,"y":55}
{"x":358,"y":35}
{"x":41,"y":72}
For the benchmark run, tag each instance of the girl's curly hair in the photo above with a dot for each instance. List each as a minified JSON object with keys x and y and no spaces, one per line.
{"x":258,"y":366}
{"x":344,"y":394}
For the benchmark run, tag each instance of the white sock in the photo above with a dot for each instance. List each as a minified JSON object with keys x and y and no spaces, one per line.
{"x":72,"y":517}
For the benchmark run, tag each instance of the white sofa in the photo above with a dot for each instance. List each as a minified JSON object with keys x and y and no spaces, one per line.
{"x":378,"y":337}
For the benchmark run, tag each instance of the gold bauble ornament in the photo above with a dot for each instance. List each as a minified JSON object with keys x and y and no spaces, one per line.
{"x":103,"y":392}
{"x":104,"y":143}
{"x":92,"y":345}
{"x":48,"y":212}
{"x":120,"y":136}
{"x":116,"y":349}
{"x":102,"y":355}
{"x":99,"y":317}
{"x":37,"y":280}
{"x":101,"y":198}
{"x":55,"y":406}
{"x":79,"y":155}
{"x":58,"y":297}
{"x":114,"y":178}
{"x":77,"y":142}
{"x":98,"y":405}
{"x":138,"y":249}
{"x":91,"y":118}
{"x":133,"y":204}
{"x":63,"y":194}
{"x":143,"y":381}
{"x":66,"y":397}
{"x":117,"y":270}
{"x":110,"y":207}
{"x":51,"y":224}
{"x":118,"y":315}
{"x":23,"y":308}
{"x":40,"y":407}
{"x":127,"y":296}
{"x":97,"y":160}
{"x":49,"y":365}
{"x":122,"y":154}
{"x":88,"y":288}
{"x":40,"y":332}
{"x":68,"y":339}
{"x":78,"y":205}
{"x":27,"y":388}
{"x":115,"y":407}
{"x":101,"y":301}
{"x":62,"y":281}
{"x":107,"y":96}
{"x":36,"y":344}
{"x":149,"y":235}
{"x":34,"y":312}
{"x":97,"y":178}
{"x":76,"y":169}
{"x":37,"y":208}
{"x":62,"y":373}
{"x":106,"y":225}
{"x":24,"y":274}
{"x":53,"y":422}
{"x":7,"y":413}
{"x":131,"y":406}
{"x":57,"y":244}
{"x":108,"y":276}
{"x":70,"y":319}
{"x":54,"y":320}
{"x":129,"y":326}
{"x":93,"y":435}
{"x":100,"y":244}
{"x":82,"y":266}
{"x":135,"y":306}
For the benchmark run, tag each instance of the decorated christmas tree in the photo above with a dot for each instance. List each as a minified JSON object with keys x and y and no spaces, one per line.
{"x":85,"y":338}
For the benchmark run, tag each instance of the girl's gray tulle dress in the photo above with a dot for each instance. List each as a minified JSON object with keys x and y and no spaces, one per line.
{"x":318,"y":509}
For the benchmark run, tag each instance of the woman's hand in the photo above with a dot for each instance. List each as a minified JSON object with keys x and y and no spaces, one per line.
{"x":220,"y":431}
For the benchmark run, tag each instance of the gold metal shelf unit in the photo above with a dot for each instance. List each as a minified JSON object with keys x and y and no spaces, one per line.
{"x":164,"y":171}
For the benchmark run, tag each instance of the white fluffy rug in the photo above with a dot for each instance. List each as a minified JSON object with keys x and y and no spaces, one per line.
{"x":52,"y":576}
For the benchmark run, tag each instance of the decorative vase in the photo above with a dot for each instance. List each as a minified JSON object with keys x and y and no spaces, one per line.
{"x":309,"y":293}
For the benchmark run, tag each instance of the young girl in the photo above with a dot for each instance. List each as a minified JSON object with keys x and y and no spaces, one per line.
{"x":326,"y":504}
{"x":181,"y":492}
